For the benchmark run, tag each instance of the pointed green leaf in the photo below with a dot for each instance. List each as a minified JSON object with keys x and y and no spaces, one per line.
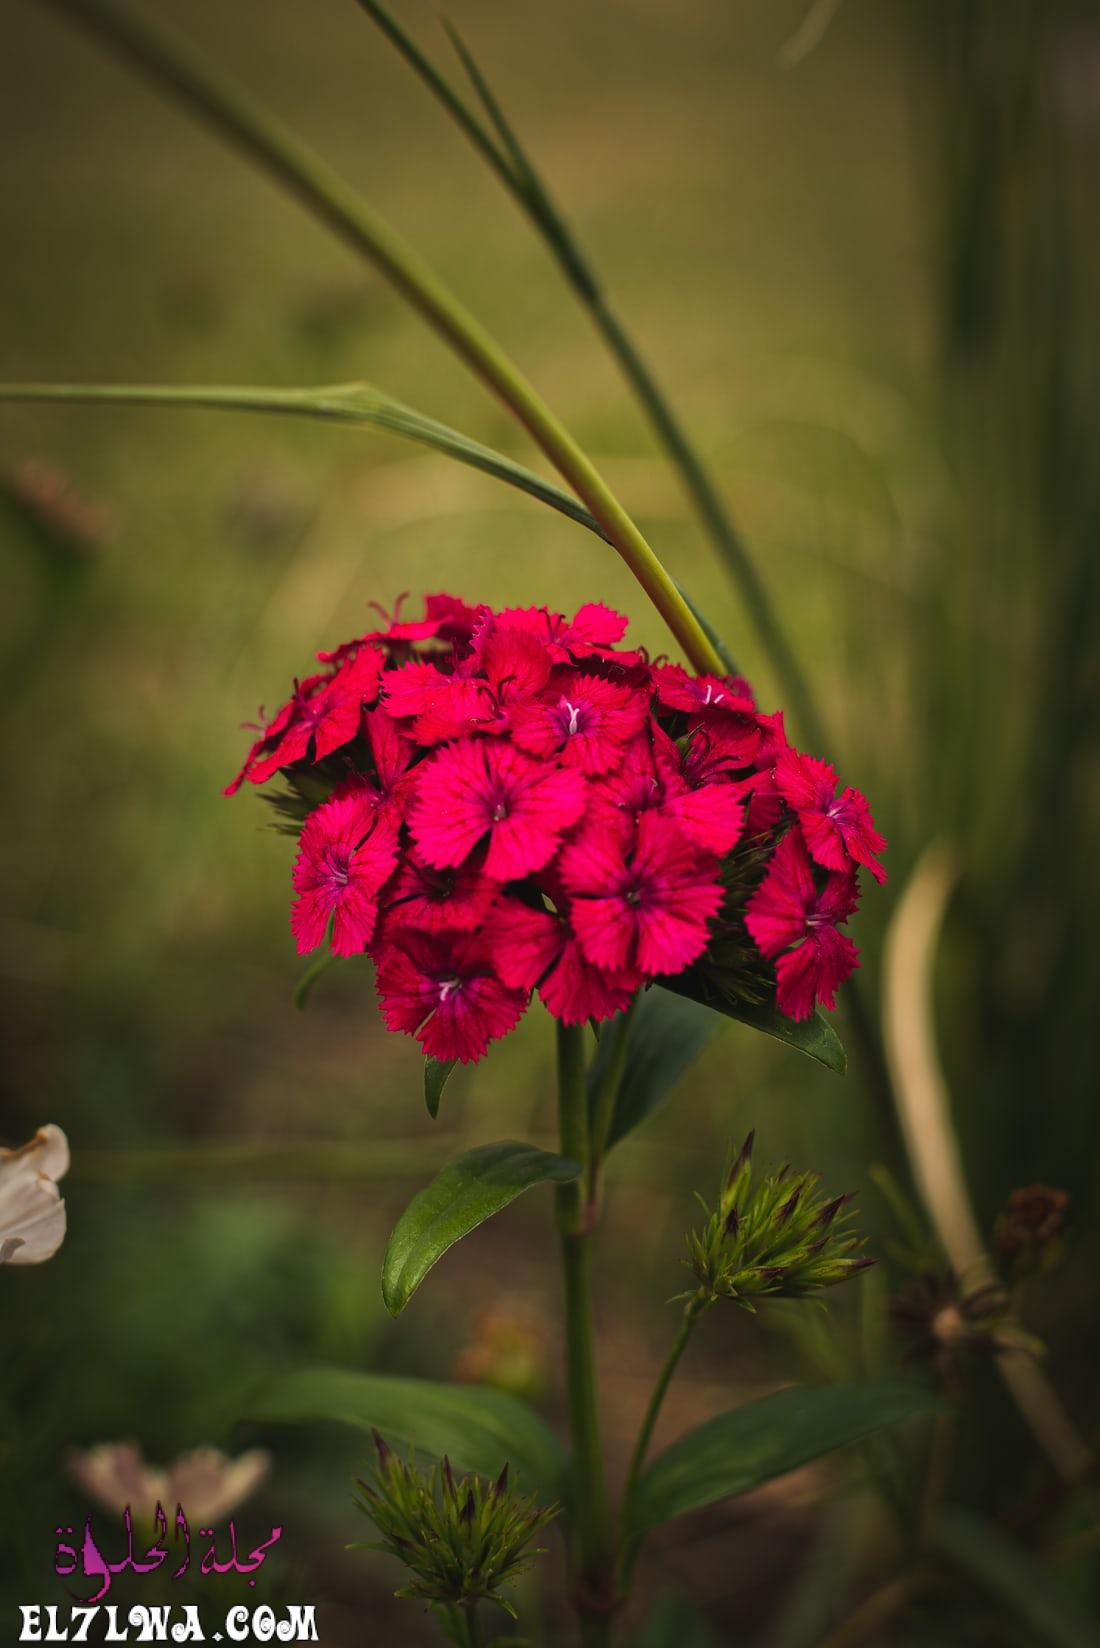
{"x":359,"y":403}
{"x":436,"y":1073}
{"x":468,"y":1191}
{"x":478,"y":1429}
{"x":814,"y":1036}
{"x":737,"y":1451}
{"x":666,"y":1034}
{"x":441,"y":87}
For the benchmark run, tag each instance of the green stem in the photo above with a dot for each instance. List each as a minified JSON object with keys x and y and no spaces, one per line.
{"x":589,"y":1492}
{"x":354,"y":403}
{"x":181,"y":71}
{"x":603,"y":1111}
{"x":696,"y":1305}
{"x":474,"y":1637}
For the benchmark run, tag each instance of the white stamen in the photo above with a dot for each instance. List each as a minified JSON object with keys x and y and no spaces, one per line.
{"x":448,"y":988}
{"x":574,"y":712}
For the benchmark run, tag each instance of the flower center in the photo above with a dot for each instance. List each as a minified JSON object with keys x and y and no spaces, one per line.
{"x":574,"y":716}
{"x":336,"y":866}
{"x":712,"y":697}
{"x":448,"y":988}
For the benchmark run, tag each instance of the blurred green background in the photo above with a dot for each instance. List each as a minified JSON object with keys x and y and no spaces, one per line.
{"x":860,"y":245}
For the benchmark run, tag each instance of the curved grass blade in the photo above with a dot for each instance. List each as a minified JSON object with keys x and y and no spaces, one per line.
{"x":519,"y":175}
{"x":468,"y":1191}
{"x":357,"y":403}
{"x":477,"y":1428}
{"x":181,"y":71}
{"x":711,"y":633}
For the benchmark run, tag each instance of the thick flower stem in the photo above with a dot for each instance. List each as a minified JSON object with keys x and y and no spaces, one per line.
{"x":603,"y":1113}
{"x":593,"y":1555}
{"x":696,"y":1305}
{"x":182,"y":72}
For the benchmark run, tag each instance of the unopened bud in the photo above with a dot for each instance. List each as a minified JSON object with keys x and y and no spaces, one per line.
{"x":772,"y":1236}
{"x":461,"y":1538}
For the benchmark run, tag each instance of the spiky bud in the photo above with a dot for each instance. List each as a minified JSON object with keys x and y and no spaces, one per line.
{"x":772,"y":1237}
{"x":461,"y":1538}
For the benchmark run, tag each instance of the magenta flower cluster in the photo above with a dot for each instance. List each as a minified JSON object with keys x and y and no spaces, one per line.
{"x":515,"y":802}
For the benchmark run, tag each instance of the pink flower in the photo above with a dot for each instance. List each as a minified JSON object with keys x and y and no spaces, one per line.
{"x":388,"y":791}
{"x":435,"y":901}
{"x":532,"y":947}
{"x":399,"y":632}
{"x":787,"y":910}
{"x":594,"y":632}
{"x":478,"y":789}
{"x":582,"y":719}
{"x":518,"y":803}
{"x":344,"y":859}
{"x":648,"y":910}
{"x":455,"y":619}
{"x":838,"y":829}
{"x":651,"y":779}
{"x":690,"y":693}
{"x":435,"y":704}
{"x":322,"y":716}
{"x":505,"y":668}
{"x":443,"y":990}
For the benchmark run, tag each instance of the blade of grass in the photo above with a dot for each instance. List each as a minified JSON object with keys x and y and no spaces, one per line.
{"x":924,"y":1108}
{"x":358,"y":403}
{"x":516,"y":171}
{"x":513,"y":166}
{"x":180,"y":70}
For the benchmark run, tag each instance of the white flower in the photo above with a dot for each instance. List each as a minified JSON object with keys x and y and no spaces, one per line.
{"x":208,"y":1484}
{"x":32,"y":1214}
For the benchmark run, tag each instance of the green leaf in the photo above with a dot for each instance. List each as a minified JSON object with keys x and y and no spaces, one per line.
{"x":357,"y":403}
{"x":468,"y":1191}
{"x":737,"y":1451}
{"x":814,"y":1036}
{"x":1011,"y":1576}
{"x":436,"y":1072}
{"x":666,"y":1035}
{"x":478,"y":1429}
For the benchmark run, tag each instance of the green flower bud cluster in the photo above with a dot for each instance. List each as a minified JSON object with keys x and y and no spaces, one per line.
{"x":461,"y":1538}
{"x":772,"y":1237}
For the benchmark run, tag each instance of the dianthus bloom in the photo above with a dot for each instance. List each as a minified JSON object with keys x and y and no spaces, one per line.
{"x":492,"y":804}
